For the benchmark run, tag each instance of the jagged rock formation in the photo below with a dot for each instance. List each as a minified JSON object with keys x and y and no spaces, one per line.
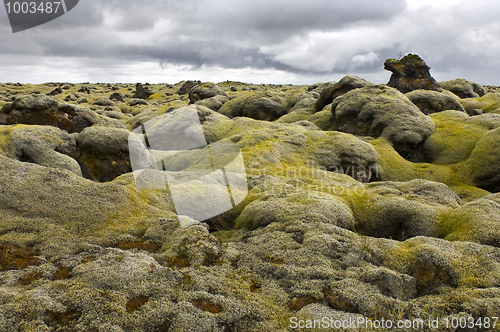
{"x":410,"y":73}
{"x":142,"y":92}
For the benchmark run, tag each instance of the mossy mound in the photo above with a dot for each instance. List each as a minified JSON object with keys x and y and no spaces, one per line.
{"x":260,"y":106}
{"x":455,"y":137}
{"x":381,"y":111}
{"x":402,"y":210}
{"x":433,"y":101}
{"x":71,"y":211}
{"x":463,"y":88}
{"x":483,"y":162}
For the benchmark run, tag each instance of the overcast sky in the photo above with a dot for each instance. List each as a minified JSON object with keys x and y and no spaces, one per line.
{"x":258,"y":41}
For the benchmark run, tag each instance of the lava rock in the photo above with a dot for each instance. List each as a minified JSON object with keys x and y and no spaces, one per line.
{"x":410,"y":73}
{"x":378,"y":110}
{"x":204,"y":91}
{"x":142,"y":92}
{"x":429,"y":101}
{"x":116,"y":96}
{"x":44,"y":110}
{"x":464,"y":88}
{"x":346,"y":84}
{"x":187,"y":86}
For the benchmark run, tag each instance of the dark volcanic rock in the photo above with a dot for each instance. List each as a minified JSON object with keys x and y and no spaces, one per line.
{"x":54,"y":92}
{"x":410,"y":73}
{"x":45,"y":111}
{"x":346,"y":84}
{"x":84,"y":89}
{"x":187,"y":86}
{"x":103,"y":153}
{"x":142,"y":92}
{"x":116,"y":96}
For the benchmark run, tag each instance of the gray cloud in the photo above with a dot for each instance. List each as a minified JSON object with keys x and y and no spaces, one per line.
{"x":308,"y":40}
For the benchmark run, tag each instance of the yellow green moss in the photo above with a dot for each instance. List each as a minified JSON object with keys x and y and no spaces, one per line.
{"x":400,"y":256}
{"x":454,"y":138}
{"x":455,"y":226}
{"x":490,"y":103}
{"x":396,"y":168}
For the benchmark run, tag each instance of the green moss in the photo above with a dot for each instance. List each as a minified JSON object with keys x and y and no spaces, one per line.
{"x":492,"y":108}
{"x":158,"y":96}
{"x":302,"y":114}
{"x":399,"y":257}
{"x":454,"y":138}
{"x":454,"y":226}
{"x":396,"y":168}
{"x":325,"y":120}
{"x":4,"y":138}
{"x":472,"y":103}
{"x":233,"y":235}
{"x":490,"y":103}
{"x":456,"y":176}
{"x":470,"y":268}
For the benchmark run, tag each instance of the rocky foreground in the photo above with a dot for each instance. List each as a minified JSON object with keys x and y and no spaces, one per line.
{"x":374,"y":201}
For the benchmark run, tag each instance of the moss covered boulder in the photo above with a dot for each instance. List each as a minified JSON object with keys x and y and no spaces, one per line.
{"x":70,"y":211}
{"x":208,"y":95}
{"x":42,"y":145}
{"x":381,"y":111}
{"x":103,"y":153}
{"x":44,"y":110}
{"x":429,"y":101}
{"x":455,"y":137}
{"x":483,"y":162}
{"x":296,"y":207}
{"x":402,"y":210}
{"x":464,"y":88}
{"x":332,"y":91}
{"x":259,"y":106}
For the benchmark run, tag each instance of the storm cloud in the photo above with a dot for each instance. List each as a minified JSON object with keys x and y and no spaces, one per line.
{"x":260,"y":41}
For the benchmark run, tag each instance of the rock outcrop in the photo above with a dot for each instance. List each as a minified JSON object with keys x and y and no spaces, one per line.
{"x":44,"y":110}
{"x":208,"y":95}
{"x":410,"y":73}
{"x":142,"y":92}
{"x":187,"y":86}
